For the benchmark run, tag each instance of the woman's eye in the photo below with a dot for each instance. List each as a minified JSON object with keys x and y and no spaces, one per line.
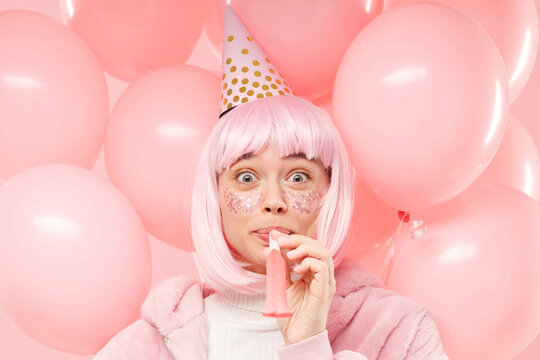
{"x":245,"y":177}
{"x":299,"y":177}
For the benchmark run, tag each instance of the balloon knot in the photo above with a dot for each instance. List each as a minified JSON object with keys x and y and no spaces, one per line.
{"x":404,"y":216}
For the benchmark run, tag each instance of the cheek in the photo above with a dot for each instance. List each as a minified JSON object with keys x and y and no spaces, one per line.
{"x":304,"y":202}
{"x":241,"y":204}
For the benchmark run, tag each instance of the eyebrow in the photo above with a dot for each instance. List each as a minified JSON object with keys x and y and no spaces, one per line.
{"x":249,"y":156}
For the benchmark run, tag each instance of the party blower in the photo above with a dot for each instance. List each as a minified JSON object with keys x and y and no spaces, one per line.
{"x":276,"y":287}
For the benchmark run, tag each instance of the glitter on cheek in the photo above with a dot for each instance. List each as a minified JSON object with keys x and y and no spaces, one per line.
{"x":305,"y":202}
{"x":239,"y":204}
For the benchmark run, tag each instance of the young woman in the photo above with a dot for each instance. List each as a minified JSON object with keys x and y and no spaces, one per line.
{"x":275,"y":163}
{"x":274,"y":166}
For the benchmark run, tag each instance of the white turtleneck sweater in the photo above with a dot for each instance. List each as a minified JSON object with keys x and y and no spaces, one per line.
{"x":237,"y":329}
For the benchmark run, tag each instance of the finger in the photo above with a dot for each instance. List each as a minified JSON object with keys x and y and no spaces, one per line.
{"x":314,"y":250}
{"x":293,"y":240}
{"x":320,"y":282}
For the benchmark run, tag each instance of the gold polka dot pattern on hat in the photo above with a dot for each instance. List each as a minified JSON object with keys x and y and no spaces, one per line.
{"x":248,"y":74}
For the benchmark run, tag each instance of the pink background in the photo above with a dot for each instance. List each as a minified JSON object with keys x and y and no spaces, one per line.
{"x":169,"y":261}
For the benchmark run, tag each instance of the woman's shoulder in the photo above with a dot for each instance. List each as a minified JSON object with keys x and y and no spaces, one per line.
{"x":351,"y":276}
{"x":365,"y":313}
{"x":356,"y":287}
{"x":173,"y":302}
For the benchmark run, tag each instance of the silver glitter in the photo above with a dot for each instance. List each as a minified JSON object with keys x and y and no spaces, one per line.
{"x":241,"y":204}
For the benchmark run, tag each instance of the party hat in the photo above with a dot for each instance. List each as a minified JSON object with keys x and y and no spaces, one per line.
{"x":247,"y":73}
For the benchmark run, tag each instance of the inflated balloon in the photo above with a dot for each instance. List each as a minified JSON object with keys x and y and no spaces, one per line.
{"x":156,"y":130}
{"x":305,"y":39}
{"x":513,"y":26}
{"x":421,"y":98}
{"x":131,"y":37}
{"x":53,"y":95}
{"x":325,"y":103}
{"x":75,"y":262}
{"x":373,"y":222}
{"x":516,"y":163}
{"x":477,"y":269}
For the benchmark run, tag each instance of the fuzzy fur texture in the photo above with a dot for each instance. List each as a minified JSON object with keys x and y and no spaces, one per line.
{"x":365,"y":321}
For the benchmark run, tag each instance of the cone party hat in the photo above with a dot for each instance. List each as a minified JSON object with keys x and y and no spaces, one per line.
{"x":247,"y":73}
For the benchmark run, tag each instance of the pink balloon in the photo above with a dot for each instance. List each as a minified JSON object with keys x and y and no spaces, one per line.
{"x":516,"y":163}
{"x":75,"y":261}
{"x":325,"y":103}
{"x":531,"y":351}
{"x":156,"y":131}
{"x":421,"y":100}
{"x":477,"y":269}
{"x":372,"y":224}
{"x":513,"y":26}
{"x":305,"y":39}
{"x":131,"y":37}
{"x":53,"y":95}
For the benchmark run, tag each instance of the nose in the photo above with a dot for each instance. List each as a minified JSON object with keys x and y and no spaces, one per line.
{"x":274,"y":202}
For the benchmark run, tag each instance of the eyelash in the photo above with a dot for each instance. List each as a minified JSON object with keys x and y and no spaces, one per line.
{"x":308,"y":177}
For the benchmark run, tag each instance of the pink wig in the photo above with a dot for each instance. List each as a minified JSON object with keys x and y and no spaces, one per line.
{"x":294,"y":125}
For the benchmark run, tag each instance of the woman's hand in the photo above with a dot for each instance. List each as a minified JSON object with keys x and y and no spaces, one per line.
{"x":309,"y":297}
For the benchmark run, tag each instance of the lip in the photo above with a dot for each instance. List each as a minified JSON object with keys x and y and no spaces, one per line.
{"x":264,"y":234}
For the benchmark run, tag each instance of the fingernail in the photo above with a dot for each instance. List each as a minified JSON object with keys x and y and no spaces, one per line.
{"x":291,"y":253}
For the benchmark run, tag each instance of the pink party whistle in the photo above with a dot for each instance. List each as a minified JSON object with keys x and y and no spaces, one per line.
{"x":276,"y":287}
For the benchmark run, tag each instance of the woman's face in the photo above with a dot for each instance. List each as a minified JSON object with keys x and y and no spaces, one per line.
{"x":263,"y":191}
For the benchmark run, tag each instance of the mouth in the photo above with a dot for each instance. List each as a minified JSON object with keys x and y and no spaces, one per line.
{"x":264,"y":234}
